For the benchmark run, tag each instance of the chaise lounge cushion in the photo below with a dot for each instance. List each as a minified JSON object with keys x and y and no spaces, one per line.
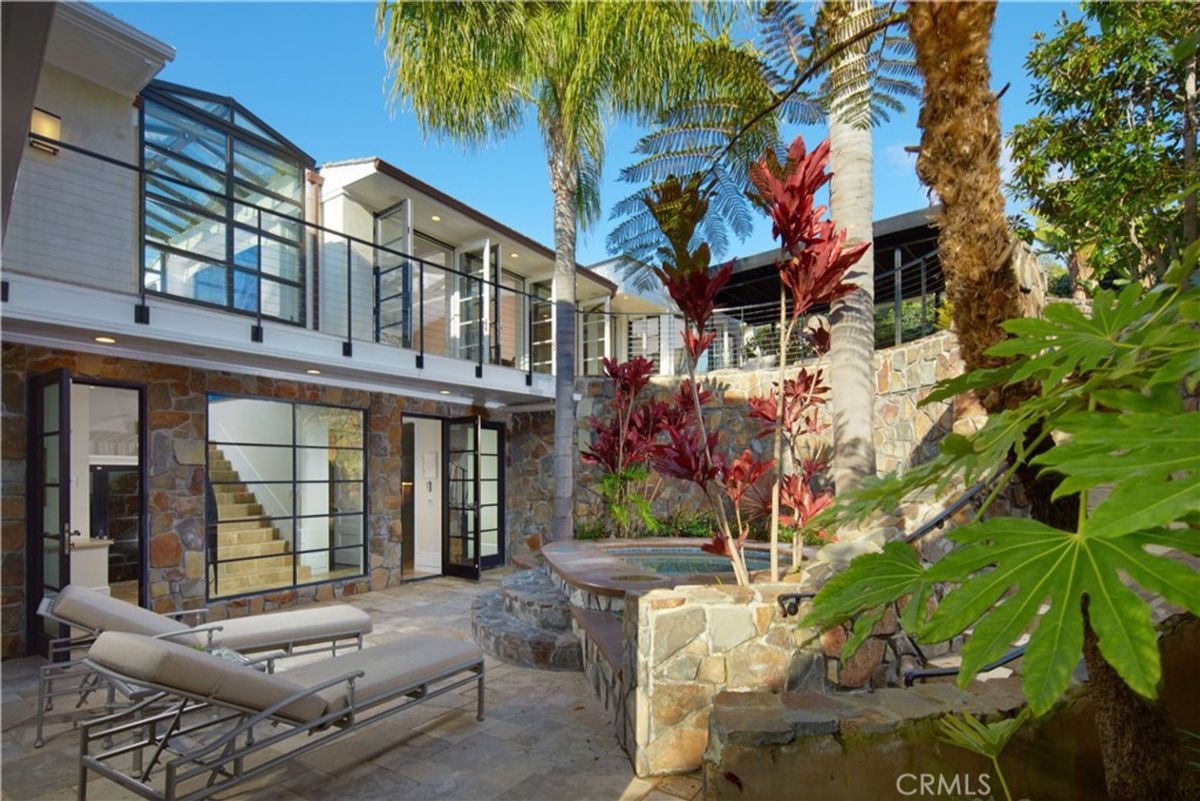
{"x":197,"y":673}
{"x":296,"y":627}
{"x":389,"y":668}
{"x":100,"y":612}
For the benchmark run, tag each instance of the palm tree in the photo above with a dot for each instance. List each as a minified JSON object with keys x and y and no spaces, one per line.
{"x":474,"y":72}
{"x":959,"y":159}
{"x":851,"y":204}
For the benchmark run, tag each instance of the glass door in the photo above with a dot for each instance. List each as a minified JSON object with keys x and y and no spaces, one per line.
{"x":469,"y":307}
{"x":491,"y":494}
{"x":461,"y":522}
{"x":393,"y":276}
{"x":49,"y":500}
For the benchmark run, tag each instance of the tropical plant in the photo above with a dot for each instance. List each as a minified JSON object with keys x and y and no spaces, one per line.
{"x":812,"y":272}
{"x":986,"y":739}
{"x":1109,"y":160}
{"x":624,"y":444}
{"x":1108,"y":386}
{"x":475,"y":72}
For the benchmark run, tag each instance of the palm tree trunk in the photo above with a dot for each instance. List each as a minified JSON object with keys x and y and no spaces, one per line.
{"x":564,"y":179}
{"x":960,"y":153}
{"x":852,"y":319}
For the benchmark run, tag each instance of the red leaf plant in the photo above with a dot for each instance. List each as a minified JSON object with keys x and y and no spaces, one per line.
{"x":624,"y":444}
{"x":811,"y":273}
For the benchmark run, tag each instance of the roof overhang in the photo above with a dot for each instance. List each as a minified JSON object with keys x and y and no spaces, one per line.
{"x":101,"y":48}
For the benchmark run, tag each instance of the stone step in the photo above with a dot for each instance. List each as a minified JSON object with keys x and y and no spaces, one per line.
{"x":242,"y":525}
{"x":236,"y":511}
{"x":519,"y":642}
{"x":223,"y":475}
{"x":262,"y":580}
{"x":224,"y":465}
{"x":260,"y":564}
{"x":226,"y":497}
{"x":532,"y":596}
{"x":267,"y":548}
{"x":245,"y":536}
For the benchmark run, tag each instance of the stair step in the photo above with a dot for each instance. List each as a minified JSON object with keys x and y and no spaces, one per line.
{"x":262,"y":564}
{"x":235,"y":511}
{"x":246,"y":536}
{"x":242,"y":525}
{"x":266,"y":548}
{"x":519,"y":642}
{"x":226,"y":497}
{"x":223,"y":465}
{"x":532,"y":596}
{"x":223,"y":475}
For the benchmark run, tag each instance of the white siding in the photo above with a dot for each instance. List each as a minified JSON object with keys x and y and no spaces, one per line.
{"x":74,"y":218}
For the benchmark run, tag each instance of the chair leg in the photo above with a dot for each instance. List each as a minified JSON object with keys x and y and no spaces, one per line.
{"x":479,"y":702}
{"x":43,"y":680}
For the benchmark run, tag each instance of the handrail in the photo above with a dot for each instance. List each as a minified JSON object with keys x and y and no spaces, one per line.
{"x":915,"y":674}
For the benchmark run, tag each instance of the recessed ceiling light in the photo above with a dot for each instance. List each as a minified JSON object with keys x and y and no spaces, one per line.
{"x":436,"y":218}
{"x":514,"y":255}
{"x":106,"y":340}
{"x":444,"y":391}
{"x":313,"y":371}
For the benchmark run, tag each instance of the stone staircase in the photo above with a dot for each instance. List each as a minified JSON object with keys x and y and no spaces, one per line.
{"x":527,"y":622}
{"x":249,"y":533}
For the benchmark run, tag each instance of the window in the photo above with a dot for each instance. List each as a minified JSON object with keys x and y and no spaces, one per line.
{"x":286,"y":494}
{"x":223,"y":196}
{"x":543,"y":328}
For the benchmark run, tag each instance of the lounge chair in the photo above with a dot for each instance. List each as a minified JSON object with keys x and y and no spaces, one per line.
{"x":295,"y":632}
{"x":196,"y":734}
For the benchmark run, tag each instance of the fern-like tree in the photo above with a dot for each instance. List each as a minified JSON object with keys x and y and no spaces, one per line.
{"x":476,"y":72}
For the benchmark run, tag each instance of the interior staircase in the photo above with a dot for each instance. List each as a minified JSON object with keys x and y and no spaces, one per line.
{"x":251,"y":534}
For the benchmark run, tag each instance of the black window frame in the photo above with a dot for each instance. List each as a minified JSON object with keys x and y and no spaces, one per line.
{"x":211,"y":522}
{"x":175,"y":99}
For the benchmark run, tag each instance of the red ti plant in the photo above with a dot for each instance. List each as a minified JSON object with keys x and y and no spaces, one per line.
{"x":691,"y":452}
{"x":811,"y":273}
{"x":623,"y":445}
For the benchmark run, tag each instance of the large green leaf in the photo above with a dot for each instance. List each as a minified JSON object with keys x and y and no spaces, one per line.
{"x":1033,"y":564}
{"x":872,"y":580}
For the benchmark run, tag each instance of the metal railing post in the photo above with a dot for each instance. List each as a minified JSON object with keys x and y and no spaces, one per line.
{"x":421,"y":312}
{"x":348,"y":345}
{"x":378,"y":312}
{"x":924,"y":322}
{"x":898,"y":300}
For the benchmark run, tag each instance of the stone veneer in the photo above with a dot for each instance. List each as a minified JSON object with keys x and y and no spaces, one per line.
{"x":685,"y":645}
{"x":904,"y":434}
{"x":177,"y":420}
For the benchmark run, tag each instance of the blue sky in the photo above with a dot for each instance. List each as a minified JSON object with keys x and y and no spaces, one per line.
{"x":315,"y":72}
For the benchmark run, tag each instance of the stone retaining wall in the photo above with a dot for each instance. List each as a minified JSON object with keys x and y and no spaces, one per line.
{"x":904,"y":434}
{"x":177,"y":409}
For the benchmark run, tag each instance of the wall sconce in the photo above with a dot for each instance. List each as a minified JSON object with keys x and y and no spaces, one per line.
{"x":43,"y":123}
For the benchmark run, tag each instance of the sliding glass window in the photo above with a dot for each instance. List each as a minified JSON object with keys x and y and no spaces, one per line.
{"x":286,"y":494}
{"x":222,"y":196}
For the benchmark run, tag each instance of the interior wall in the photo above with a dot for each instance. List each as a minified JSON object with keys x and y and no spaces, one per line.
{"x":427,"y":494}
{"x":81,"y":427}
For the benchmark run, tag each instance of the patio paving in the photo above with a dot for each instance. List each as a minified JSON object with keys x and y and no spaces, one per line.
{"x":545,"y":736}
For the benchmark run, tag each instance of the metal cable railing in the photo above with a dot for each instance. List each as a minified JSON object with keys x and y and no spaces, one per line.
{"x":222,"y":250}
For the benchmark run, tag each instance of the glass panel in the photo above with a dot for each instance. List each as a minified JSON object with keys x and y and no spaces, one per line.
{"x":183,"y":276}
{"x":50,"y":454}
{"x":489,"y":542}
{"x":489,"y":443}
{"x":258,"y":167}
{"x":245,"y":291}
{"x":251,"y":501}
{"x":50,"y":404}
{"x":349,"y":559}
{"x":328,"y":425}
{"x":489,"y":467}
{"x":192,"y":138}
{"x":184,"y":230}
{"x":282,"y":301}
{"x":271,"y":223}
{"x":250,"y":420}
{"x":263,"y":462}
{"x":51,"y":552}
{"x":345,"y":496}
{"x":489,"y":491}
{"x":329,"y":464}
{"x":242,"y":121}
{"x":489,"y":517}
{"x":51,"y":523}
{"x":462,"y":437}
{"x":210,"y":106}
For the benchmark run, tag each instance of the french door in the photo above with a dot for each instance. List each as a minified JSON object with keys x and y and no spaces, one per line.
{"x":473,"y":537}
{"x":461,"y":537}
{"x":49,"y":500}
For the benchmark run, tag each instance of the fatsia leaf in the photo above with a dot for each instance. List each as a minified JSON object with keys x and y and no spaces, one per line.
{"x":1033,"y":564}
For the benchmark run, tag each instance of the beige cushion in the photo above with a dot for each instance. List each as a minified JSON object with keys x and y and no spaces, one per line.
{"x":195,"y":672}
{"x":297,"y":627}
{"x":100,"y":612}
{"x":390,"y":667}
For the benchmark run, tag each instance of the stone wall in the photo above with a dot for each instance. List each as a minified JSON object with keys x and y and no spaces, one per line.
{"x":685,"y":645}
{"x":177,"y":411}
{"x":904,"y":434}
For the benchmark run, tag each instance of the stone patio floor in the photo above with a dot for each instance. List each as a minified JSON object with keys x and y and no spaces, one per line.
{"x":545,"y":736}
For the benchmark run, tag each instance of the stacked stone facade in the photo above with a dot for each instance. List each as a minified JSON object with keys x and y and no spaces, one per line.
{"x":176,"y":399}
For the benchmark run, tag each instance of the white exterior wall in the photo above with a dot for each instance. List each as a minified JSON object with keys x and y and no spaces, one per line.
{"x":344,"y":215}
{"x":74,"y":218}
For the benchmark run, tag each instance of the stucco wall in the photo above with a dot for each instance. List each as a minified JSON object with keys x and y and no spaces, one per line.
{"x":177,"y":412}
